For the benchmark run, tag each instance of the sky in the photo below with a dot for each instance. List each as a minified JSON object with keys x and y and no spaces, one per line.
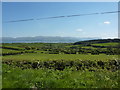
{"x":101,"y":25}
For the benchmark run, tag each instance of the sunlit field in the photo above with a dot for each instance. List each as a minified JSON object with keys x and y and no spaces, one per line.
{"x":44,"y":57}
{"x":60,"y":65}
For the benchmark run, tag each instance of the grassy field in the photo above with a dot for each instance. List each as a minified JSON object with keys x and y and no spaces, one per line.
{"x":60,"y":65}
{"x":106,"y":44}
{"x":45,"y":57}
{"x":8,"y":51}
{"x":47,"y":78}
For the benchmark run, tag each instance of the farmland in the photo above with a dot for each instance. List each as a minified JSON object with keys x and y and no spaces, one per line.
{"x":44,"y":57}
{"x":85,"y":64}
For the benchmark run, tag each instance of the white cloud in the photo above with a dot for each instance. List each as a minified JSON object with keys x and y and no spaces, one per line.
{"x":79,"y":30}
{"x":107,"y":22}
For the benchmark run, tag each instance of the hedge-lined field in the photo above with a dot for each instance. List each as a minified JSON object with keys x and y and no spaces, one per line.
{"x":85,"y":64}
{"x":106,"y":44}
{"x":39,"y":56}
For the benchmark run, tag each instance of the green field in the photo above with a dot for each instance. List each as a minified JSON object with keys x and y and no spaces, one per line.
{"x":106,"y":44}
{"x":8,"y":51}
{"x":44,"y":57}
{"x":61,"y":65}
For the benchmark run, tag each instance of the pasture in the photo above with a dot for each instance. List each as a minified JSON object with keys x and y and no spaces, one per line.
{"x":69,"y":57}
{"x":60,"y":65}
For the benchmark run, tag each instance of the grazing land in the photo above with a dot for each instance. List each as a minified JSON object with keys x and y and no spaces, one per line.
{"x":84,"y":64}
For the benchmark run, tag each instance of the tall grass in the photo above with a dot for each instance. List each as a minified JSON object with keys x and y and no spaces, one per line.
{"x":49,"y":78}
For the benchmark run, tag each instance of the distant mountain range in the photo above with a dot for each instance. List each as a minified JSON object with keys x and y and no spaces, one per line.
{"x":44,"y":39}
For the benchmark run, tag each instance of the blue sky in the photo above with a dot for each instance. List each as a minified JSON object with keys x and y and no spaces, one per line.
{"x":103,"y":26}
